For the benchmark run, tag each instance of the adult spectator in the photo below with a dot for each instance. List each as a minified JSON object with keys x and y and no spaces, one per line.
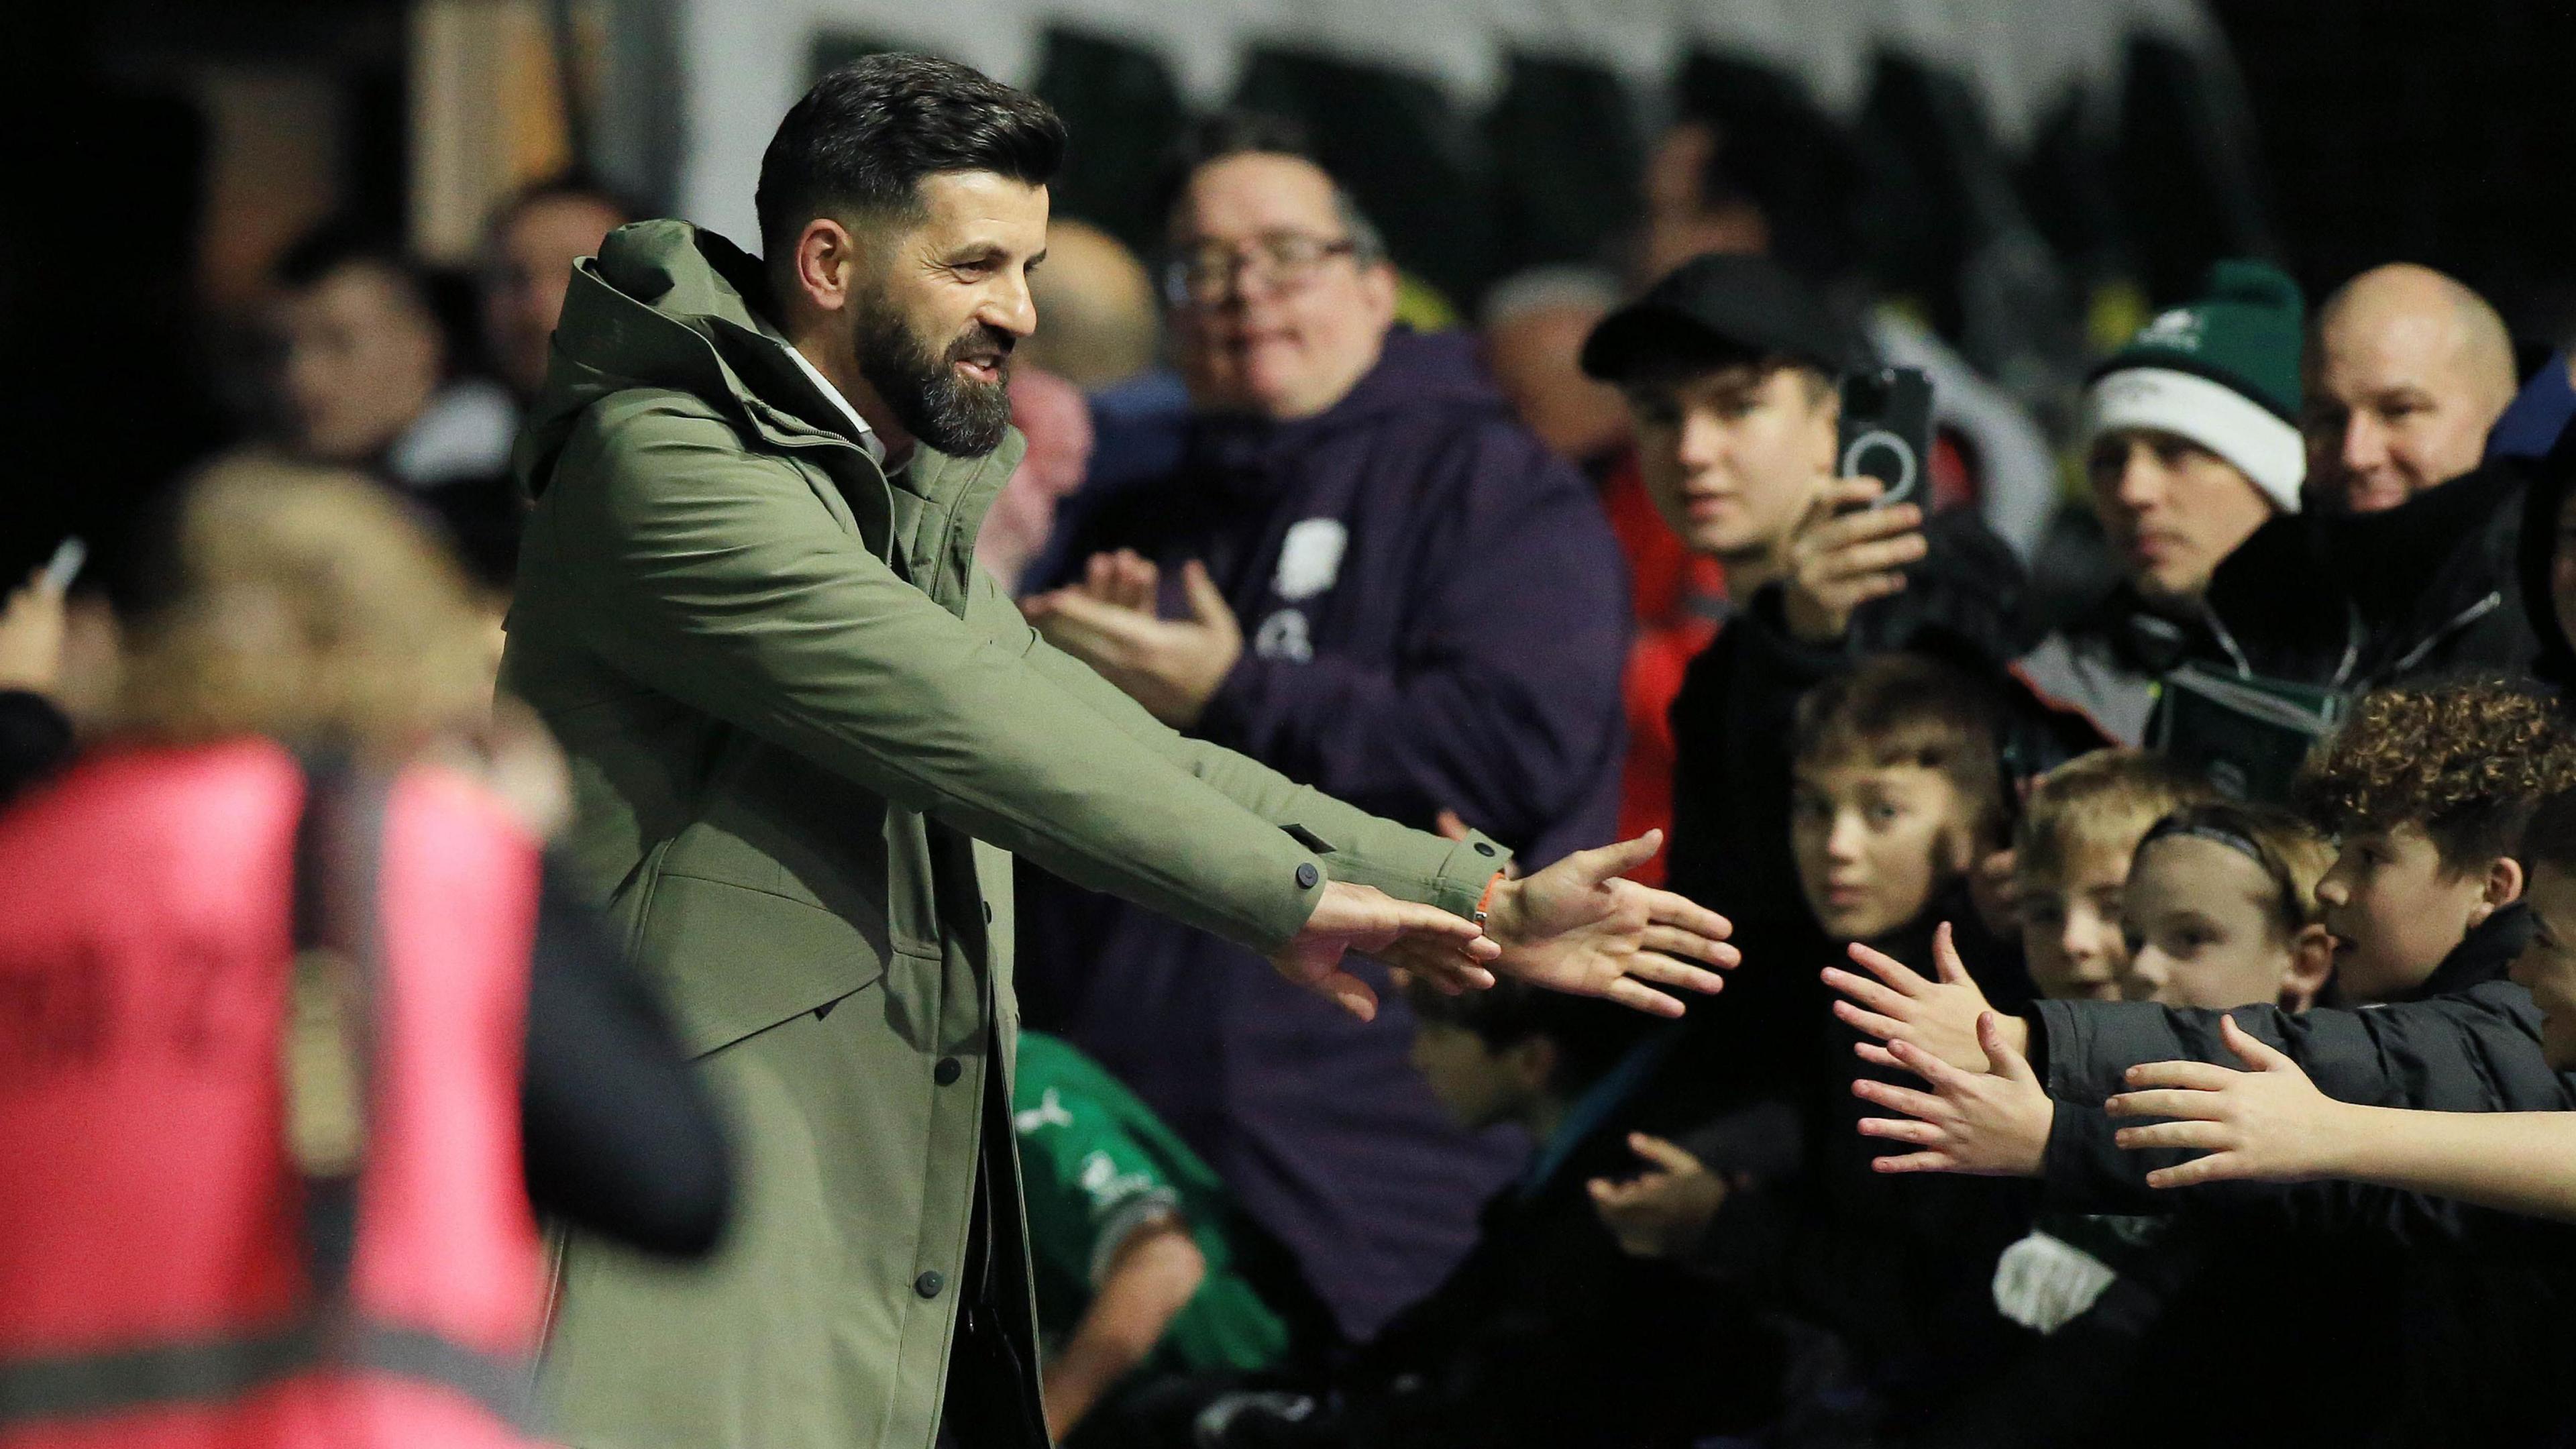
{"x":2406,"y":374}
{"x":529,"y":248}
{"x":1327,"y":582}
{"x":808,"y":734}
{"x":368,"y":376}
{"x":2196,"y":468}
{"x":1534,"y":323}
{"x":1097,"y":302}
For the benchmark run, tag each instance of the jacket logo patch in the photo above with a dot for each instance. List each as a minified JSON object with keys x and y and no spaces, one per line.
{"x":1284,"y":636}
{"x":1310,"y":558}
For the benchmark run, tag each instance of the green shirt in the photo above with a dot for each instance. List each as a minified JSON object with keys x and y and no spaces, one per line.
{"x":1096,"y":1163}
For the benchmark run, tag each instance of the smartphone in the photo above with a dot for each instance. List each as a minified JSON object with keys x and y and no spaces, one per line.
{"x":65,"y":565}
{"x":1886,"y":432}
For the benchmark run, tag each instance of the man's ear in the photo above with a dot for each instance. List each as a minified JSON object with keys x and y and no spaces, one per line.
{"x":1380,"y":283}
{"x":2504,"y":882}
{"x":2311,"y":967}
{"x":827,"y":264}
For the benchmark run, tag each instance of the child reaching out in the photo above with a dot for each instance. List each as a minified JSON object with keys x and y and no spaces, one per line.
{"x":2269,"y":1122}
{"x":2219,"y":913}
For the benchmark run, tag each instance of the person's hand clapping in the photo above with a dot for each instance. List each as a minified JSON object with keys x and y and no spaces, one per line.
{"x":2268,"y":1123}
{"x":1991,"y":1124}
{"x":1172,"y":667}
{"x":1842,"y":554}
{"x":1664,"y":1211}
{"x":1578,"y":927}
{"x":1937,"y":1018}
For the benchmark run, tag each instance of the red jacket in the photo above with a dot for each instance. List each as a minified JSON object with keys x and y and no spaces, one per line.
{"x":163,"y":1283}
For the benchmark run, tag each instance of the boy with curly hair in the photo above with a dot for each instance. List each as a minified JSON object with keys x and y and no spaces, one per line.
{"x":2427,"y":792}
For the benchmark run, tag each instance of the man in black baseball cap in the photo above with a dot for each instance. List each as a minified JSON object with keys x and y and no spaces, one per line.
{"x":1731,"y":369}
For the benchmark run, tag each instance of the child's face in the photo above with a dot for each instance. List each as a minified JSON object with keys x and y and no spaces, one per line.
{"x":2204,"y":928}
{"x":2070,"y":928}
{"x":1476,"y":1084}
{"x":2396,"y":911}
{"x":2547,"y":967}
{"x":1873,"y":843}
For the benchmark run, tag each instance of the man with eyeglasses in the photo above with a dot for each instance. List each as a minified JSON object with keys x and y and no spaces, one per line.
{"x":1360,"y":569}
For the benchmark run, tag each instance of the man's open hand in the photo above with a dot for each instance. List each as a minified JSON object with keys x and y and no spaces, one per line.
{"x":2268,"y":1122}
{"x":1578,"y":927}
{"x":1938,"y":1018}
{"x":1427,"y":941}
{"x":1992,"y":1124}
{"x":1170,"y":666}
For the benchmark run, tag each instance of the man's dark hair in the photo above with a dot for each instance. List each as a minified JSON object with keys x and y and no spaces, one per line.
{"x":445,"y":294}
{"x":861,"y":140}
{"x":1259,"y":133}
{"x":1590,"y":1034}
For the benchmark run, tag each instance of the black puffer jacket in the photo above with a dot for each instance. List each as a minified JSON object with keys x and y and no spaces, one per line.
{"x":2469,"y":1314}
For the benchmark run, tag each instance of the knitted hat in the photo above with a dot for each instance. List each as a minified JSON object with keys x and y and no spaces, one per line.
{"x":2222,"y":372}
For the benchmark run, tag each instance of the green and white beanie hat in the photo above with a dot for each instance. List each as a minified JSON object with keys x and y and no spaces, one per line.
{"x":2222,"y":372}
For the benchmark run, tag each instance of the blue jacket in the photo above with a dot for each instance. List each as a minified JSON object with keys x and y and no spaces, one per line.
{"x":1435,"y":617}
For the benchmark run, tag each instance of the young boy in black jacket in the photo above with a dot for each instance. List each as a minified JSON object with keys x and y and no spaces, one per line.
{"x":2429,"y":790}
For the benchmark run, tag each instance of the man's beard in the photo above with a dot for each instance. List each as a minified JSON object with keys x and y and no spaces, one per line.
{"x":924,"y":390}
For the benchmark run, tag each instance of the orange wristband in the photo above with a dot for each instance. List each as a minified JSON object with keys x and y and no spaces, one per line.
{"x":1485,"y":902}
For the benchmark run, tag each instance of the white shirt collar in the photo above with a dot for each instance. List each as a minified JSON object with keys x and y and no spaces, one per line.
{"x":867,"y":436}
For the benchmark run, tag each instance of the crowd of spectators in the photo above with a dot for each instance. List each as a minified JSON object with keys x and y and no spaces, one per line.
{"x":2102,"y":941}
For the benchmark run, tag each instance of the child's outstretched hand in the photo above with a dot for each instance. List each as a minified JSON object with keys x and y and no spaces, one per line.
{"x":1992,"y":1124}
{"x":2268,"y":1122}
{"x":1935,"y":1017}
{"x":1664,"y":1211}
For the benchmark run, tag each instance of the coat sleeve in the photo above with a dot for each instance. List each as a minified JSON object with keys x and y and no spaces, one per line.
{"x":717,"y":577}
{"x":1359,"y":847}
{"x":1502,"y":699}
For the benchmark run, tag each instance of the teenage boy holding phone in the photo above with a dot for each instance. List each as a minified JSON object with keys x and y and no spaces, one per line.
{"x":1731,"y":368}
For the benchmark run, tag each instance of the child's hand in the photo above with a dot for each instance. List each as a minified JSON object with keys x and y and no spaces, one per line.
{"x":1664,"y":1211}
{"x":1936,"y":1017}
{"x":2268,"y":1123}
{"x":1992,"y":1124}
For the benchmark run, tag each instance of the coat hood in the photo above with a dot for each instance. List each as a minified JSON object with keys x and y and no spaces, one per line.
{"x":668,"y":305}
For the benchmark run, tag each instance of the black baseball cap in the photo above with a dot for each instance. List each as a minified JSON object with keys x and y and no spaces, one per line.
{"x":1720,"y":305}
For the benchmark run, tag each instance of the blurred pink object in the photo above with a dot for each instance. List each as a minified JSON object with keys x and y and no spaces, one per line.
{"x":1052,"y":412}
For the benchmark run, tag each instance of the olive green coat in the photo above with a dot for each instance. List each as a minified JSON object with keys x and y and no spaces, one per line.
{"x":804,"y":731}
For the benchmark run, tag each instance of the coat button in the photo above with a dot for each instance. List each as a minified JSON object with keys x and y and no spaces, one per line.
{"x":988,"y":913}
{"x":929,"y":1284}
{"x":1483,"y":849}
{"x":1307,"y":875}
{"x":946,"y":1074}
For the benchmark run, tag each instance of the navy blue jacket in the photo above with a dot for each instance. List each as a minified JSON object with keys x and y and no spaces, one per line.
{"x":1435,"y":617}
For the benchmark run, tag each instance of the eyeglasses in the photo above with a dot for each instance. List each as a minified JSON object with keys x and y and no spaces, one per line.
{"x":1280,"y":261}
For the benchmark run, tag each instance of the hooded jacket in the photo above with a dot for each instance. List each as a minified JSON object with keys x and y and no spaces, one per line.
{"x":804,"y":731}
{"x":1434,"y":615}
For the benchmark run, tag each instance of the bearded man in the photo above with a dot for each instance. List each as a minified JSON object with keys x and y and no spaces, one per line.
{"x":806,"y":734}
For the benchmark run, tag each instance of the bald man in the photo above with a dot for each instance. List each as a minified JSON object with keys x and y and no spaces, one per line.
{"x":1101,"y":313}
{"x":2406,"y":371}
